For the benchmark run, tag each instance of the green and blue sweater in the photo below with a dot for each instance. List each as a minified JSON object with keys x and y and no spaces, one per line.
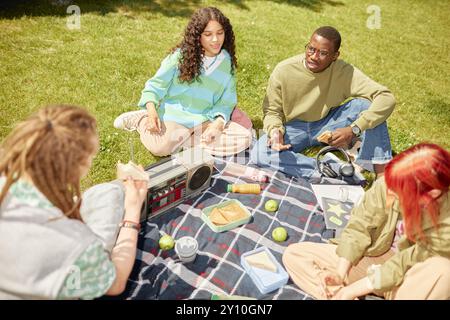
{"x":189,"y":104}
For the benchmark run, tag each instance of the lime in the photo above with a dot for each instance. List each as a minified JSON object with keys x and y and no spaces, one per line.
{"x":279,"y":234}
{"x":271,"y":205}
{"x":166,"y":242}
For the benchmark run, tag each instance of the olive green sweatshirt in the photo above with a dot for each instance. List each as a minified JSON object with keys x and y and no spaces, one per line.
{"x":294,"y":92}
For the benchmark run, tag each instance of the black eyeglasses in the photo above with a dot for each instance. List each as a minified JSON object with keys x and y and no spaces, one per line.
{"x":310,"y":50}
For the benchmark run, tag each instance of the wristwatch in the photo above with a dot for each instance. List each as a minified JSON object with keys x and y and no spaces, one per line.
{"x":130,"y":224}
{"x":356,"y":130}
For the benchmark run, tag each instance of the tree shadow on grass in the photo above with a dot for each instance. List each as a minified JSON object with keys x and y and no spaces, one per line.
{"x":314,"y":5}
{"x":17,"y":9}
{"x":169,"y":8}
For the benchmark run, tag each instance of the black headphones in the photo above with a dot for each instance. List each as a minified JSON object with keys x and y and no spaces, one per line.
{"x":345,"y":169}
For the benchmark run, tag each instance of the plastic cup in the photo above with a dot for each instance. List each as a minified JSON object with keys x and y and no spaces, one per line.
{"x":186,"y":249}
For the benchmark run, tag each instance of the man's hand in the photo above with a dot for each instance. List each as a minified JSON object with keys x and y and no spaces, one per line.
{"x":341,"y":137}
{"x":213,"y":131}
{"x":152,"y":122}
{"x":276,"y":141}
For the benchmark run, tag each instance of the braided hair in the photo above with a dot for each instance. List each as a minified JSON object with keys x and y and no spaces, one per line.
{"x":51,"y":147}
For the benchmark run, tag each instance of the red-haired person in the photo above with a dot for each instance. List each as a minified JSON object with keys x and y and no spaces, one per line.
{"x":397,"y":242}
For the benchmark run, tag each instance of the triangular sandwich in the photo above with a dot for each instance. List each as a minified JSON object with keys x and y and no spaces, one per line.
{"x":131,"y":170}
{"x":233,"y":212}
{"x":261,"y":260}
{"x":217,"y":218}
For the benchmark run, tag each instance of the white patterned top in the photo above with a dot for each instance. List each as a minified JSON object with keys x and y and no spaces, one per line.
{"x":92,"y":273}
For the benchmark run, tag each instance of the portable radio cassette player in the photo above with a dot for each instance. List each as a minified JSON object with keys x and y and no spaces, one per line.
{"x":176,"y":179}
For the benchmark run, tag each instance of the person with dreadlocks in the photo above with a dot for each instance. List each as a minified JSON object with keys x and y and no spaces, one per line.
{"x":397,"y":242}
{"x":47,"y":251}
{"x":192,"y":97}
{"x":315,"y":93}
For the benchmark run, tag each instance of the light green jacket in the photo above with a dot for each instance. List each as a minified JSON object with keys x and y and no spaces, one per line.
{"x":371,"y":230}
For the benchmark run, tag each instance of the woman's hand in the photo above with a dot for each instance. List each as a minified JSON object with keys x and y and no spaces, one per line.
{"x":152,"y":122}
{"x":333,"y":280}
{"x":135,"y":194}
{"x":330,"y":283}
{"x":124,"y":252}
{"x":213,"y":131}
{"x":345,"y":293}
{"x":354,"y":290}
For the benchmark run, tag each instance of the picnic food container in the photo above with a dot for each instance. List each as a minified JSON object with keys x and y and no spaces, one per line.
{"x":265,"y":280}
{"x":221,"y":228}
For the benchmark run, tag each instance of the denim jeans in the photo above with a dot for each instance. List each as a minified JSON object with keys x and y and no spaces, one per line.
{"x":375,"y":146}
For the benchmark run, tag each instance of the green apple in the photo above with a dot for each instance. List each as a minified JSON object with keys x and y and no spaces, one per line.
{"x":166,"y":242}
{"x":279,"y":234}
{"x":271,"y":205}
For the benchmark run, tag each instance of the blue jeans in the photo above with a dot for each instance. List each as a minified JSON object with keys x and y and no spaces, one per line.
{"x":375,"y":147}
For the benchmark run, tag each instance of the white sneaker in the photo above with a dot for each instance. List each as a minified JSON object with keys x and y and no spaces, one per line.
{"x":129,"y":120}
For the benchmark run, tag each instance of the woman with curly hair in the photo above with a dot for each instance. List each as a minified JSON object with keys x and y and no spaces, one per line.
{"x":56,"y":243}
{"x":192,"y":96}
{"x":397,"y":242}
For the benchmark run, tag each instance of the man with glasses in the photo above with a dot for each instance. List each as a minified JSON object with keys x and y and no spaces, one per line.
{"x":314,"y":92}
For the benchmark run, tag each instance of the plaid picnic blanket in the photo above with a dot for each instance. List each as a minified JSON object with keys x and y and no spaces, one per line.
{"x":217,"y":269}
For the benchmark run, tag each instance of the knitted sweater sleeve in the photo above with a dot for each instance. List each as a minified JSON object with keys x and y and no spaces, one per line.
{"x":225,"y":105}
{"x":383,"y":101}
{"x":273,"y":105}
{"x":156,"y":87}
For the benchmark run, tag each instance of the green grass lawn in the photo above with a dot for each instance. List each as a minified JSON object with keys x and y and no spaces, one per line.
{"x":104,"y":65}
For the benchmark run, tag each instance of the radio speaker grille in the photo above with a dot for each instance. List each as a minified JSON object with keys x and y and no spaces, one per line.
{"x":199,"y":177}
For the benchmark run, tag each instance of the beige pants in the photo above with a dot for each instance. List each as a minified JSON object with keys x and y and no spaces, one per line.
{"x":234,"y":139}
{"x":307,"y":260}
